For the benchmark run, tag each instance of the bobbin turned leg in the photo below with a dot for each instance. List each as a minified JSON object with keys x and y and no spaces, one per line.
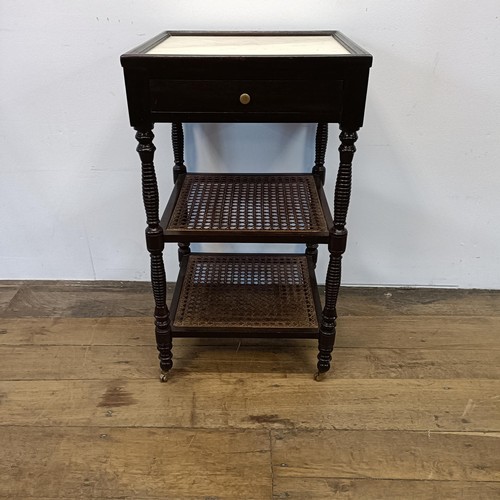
{"x":336,"y":246}
{"x":184,"y":249}
{"x":179,"y":168}
{"x":320,"y":151}
{"x":312,"y":250}
{"x":318,"y":171}
{"x":155,"y":243}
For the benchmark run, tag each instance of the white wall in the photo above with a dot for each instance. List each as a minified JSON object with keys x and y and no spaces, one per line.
{"x":425,"y":202}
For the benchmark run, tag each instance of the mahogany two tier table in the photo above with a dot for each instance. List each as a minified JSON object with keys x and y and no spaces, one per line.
{"x":282,"y":77}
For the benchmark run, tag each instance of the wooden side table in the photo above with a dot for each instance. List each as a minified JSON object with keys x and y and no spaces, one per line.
{"x":177,"y":77}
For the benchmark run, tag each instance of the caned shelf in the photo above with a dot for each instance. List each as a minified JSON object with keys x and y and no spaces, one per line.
{"x":285,"y":208}
{"x":247,"y":295}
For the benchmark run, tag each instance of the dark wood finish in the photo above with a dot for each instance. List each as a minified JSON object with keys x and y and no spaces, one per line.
{"x":178,"y":148}
{"x":154,"y":239}
{"x":337,"y":247}
{"x":184,"y":249}
{"x":207,"y":88}
{"x":246,"y":328}
{"x":210,"y":99}
{"x":248,"y":234}
{"x":344,"y":179}
{"x":319,"y":171}
{"x":179,"y":169}
{"x":320,"y":151}
{"x":312,"y":251}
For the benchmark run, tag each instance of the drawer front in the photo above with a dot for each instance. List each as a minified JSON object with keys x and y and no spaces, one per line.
{"x":246,"y":97}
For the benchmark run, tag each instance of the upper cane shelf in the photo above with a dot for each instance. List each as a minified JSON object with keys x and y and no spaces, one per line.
{"x":286,"y":208}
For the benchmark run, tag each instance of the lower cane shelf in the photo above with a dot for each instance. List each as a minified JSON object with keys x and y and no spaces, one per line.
{"x":267,"y":295}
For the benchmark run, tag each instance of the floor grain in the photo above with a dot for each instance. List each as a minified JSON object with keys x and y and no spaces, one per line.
{"x":397,"y":455}
{"x":411,"y":408}
{"x":314,"y":488}
{"x":129,"y":463}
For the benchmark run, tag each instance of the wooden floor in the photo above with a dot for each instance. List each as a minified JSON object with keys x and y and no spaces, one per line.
{"x":410,"y":411}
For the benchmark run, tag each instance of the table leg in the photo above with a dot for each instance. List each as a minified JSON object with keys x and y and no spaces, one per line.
{"x":179,"y":168}
{"x":312,"y":250}
{"x":320,"y":151}
{"x":178,"y":147}
{"x":318,"y":171}
{"x":155,"y":244}
{"x":336,"y":246}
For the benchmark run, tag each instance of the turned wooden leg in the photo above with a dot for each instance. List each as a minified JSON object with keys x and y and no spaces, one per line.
{"x":179,"y":168}
{"x":183,"y":250}
{"x":178,"y":147}
{"x":320,"y":151}
{"x":155,"y":244}
{"x":163,"y":331}
{"x":320,"y":172}
{"x":329,"y":316}
{"x":312,"y":250}
{"x":336,"y":246}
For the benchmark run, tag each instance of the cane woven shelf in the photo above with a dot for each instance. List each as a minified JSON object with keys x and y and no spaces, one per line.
{"x":249,"y":293}
{"x":248,"y":207}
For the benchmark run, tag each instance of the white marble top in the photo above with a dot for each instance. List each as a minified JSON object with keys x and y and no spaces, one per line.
{"x":249,"y":45}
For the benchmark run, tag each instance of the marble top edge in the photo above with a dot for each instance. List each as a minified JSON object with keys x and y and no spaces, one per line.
{"x":249,"y":45}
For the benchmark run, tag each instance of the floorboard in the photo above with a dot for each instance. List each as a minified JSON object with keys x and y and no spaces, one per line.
{"x":399,"y":332}
{"x":53,"y":362}
{"x":411,"y":408}
{"x":386,"y":455}
{"x":252,"y":401}
{"x":314,"y":488}
{"x":133,"y":462}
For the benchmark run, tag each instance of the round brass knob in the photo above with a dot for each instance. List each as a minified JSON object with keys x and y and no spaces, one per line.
{"x":244,"y":98}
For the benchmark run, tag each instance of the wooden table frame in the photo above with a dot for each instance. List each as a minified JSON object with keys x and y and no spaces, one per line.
{"x":181,"y":88}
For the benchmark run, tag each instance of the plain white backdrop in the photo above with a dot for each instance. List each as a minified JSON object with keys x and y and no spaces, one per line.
{"x":425,"y":205}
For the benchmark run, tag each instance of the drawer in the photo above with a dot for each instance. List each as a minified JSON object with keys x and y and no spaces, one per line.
{"x":246,"y":96}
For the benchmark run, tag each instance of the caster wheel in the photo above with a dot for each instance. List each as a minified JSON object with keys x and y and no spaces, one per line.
{"x":163,"y":376}
{"x":319,"y":376}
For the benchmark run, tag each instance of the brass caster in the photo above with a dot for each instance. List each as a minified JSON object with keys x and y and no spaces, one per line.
{"x":319,"y":376}
{"x":163,"y":376}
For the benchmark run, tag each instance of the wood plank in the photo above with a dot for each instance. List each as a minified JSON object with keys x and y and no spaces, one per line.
{"x":313,"y":488}
{"x":140,"y":362}
{"x":243,"y":400}
{"x":418,"y":301}
{"x":7,"y":293}
{"x":99,"y":299}
{"x":412,"y":405}
{"x":78,"y":284}
{"x":79,"y":301}
{"x":134,"y":463}
{"x":410,"y":332}
{"x":400,"y":332}
{"x":386,"y":455}
{"x":78,"y":331}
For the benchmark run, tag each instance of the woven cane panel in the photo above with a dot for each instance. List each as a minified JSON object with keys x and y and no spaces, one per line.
{"x":246,"y":291}
{"x":248,"y":203}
